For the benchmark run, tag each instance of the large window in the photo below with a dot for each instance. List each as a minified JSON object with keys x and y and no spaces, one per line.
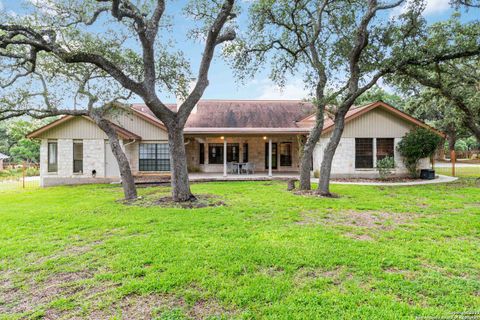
{"x":286,"y":154}
{"x":385,"y":148}
{"x":52,"y":157}
{"x":77,"y":157}
{"x":215,"y":153}
{"x":363,"y":153}
{"x":233,"y":150}
{"x":154,"y":157}
{"x":202,"y":154}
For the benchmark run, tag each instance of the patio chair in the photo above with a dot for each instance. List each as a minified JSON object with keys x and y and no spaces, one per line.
{"x":230,"y":167}
{"x":249,"y":167}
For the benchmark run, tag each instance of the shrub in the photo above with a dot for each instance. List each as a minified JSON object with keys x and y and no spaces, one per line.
{"x":385,"y":167}
{"x":415,"y":145}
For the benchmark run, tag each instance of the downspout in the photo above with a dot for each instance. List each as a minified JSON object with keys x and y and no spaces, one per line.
{"x":133,"y":141}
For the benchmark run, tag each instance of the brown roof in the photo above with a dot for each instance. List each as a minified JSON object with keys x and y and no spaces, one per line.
{"x":250,"y":117}
{"x":244,"y":113}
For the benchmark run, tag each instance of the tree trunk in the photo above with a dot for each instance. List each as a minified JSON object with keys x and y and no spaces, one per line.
{"x":325,"y":169}
{"x":179,"y":171}
{"x":128,"y":182}
{"x":452,"y":140}
{"x":309,"y":147}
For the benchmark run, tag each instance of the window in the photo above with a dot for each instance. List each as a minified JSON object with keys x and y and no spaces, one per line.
{"x":385,"y":148}
{"x":286,"y":154}
{"x":245,"y":152}
{"x":202,"y":154}
{"x":77,"y":156}
{"x":52,"y":157}
{"x":363,"y":153}
{"x":233,"y":150}
{"x":154,"y":157}
{"x":215,"y":153}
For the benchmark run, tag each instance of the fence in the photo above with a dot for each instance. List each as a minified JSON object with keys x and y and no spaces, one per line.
{"x":465,"y":168}
{"x":19,"y":176}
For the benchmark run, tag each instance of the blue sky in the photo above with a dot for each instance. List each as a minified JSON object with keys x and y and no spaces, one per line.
{"x":223,"y":85}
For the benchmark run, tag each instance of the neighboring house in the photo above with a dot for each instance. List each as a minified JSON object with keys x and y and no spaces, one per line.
{"x":265,"y":134}
{"x":2,"y":157}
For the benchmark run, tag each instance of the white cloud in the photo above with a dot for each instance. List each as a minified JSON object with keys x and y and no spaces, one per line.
{"x":293,"y":90}
{"x":436,"y":6}
{"x":432,"y":7}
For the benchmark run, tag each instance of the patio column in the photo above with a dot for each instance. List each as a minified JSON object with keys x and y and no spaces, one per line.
{"x":270,"y":157}
{"x":225,"y":157}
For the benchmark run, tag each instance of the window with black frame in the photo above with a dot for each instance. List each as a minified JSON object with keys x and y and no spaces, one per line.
{"x":245,"y":152}
{"x":215,"y":153}
{"x":154,"y":157}
{"x":201,"y":159}
{"x":52,"y":156}
{"x":363,"y":153}
{"x":385,"y":148}
{"x":77,"y":156}
{"x":286,"y":154}
{"x":233,"y":150}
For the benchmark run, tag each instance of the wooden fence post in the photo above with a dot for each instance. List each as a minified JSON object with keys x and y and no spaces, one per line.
{"x":453,"y":160}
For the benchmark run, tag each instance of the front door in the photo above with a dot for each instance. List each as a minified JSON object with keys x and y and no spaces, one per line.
{"x":274,"y":155}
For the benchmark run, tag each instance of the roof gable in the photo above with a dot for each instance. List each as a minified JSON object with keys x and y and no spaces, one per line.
{"x":91,"y":128}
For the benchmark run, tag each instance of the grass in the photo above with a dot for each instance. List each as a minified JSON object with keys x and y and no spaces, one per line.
{"x":374,"y":253}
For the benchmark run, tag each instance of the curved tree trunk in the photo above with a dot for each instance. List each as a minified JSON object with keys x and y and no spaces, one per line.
{"x":128,"y":182}
{"x":179,"y":171}
{"x":329,"y":153}
{"x":309,"y":147}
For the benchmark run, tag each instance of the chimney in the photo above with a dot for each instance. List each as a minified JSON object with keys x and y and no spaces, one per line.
{"x":181,"y":98}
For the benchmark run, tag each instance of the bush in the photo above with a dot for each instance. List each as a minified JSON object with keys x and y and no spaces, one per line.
{"x":418,"y":144}
{"x":385,"y":167}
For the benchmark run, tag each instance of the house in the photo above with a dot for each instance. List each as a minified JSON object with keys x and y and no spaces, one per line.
{"x":266,"y":134}
{"x":2,"y":157}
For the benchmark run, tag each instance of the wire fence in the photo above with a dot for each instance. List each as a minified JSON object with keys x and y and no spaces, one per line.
{"x":459,"y":167}
{"x":19,"y":176}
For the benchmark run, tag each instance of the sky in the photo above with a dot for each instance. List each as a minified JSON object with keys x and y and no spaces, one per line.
{"x":223,"y":84}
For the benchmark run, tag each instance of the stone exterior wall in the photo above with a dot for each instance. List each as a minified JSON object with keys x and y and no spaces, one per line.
{"x":344,"y":160}
{"x":93,"y":159}
{"x":256,"y":152}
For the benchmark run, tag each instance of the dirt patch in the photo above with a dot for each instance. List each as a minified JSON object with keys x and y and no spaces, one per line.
{"x":368,"y":219}
{"x":364,"y":220}
{"x":272,"y":271}
{"x":145,"y":307}
{"x":360,"y":237}
{"x":202,"y":201}
{"x":315,"y":193}
{"x":336,"y":275}
{"x":29,"y":297}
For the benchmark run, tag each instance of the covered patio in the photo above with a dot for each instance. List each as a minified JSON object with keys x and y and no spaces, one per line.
{"x":259,"y":154}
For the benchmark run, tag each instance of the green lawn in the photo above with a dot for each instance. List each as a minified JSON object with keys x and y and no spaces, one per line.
{"x":374,"y":253}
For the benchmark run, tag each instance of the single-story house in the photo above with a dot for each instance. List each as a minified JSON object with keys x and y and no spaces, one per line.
{"x":266,"y":135}
{"x":2,"y":157}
